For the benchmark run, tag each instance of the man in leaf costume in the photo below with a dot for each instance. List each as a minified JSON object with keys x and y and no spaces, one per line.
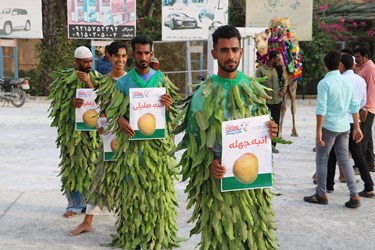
{"x":103,"y":188}
{"x":230,"y":220}
{"x":145,"y":202}
{"x":78,"y":150}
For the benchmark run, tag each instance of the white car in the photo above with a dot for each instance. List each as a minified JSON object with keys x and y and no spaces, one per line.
{"x":14,"y":18}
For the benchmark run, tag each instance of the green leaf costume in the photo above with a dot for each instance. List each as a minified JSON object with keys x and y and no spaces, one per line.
{"x":145,"y":202}
{"x":78,"y":150}
{"x":104,"y":185}
{"x":229,"y":220}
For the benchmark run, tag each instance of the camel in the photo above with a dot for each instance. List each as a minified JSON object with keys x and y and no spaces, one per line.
{"x":275,"y":38}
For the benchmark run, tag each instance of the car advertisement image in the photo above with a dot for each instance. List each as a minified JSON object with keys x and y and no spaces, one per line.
{"x":21,"y":19}
{"x":192,"y":19}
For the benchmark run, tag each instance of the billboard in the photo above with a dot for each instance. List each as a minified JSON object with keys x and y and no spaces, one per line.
{"x":21,"y":19}
{"x":260,"y":12}
{"x":101,"y":19}
{"x":192,"y":19}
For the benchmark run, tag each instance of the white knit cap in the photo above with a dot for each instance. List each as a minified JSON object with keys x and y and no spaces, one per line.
{"x":82,"y":53}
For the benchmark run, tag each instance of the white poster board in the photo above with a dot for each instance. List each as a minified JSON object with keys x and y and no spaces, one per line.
{"x":87,"y":115}
{"x":147,"y":113}
{"x":21,"y":19}
{"x":110,"y":146}
{"x":184,"y":20}
{"x":260,"y":12}
{"x":247,"y":154}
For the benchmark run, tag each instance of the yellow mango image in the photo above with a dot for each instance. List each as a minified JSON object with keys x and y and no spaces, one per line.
{"x":114,"y":145}
{"x":245,"y":168}
{"x":90,"y":118}
{"x":147,"y":124}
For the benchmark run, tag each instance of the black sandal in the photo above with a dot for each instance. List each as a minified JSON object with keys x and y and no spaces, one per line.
{"x":366,"y":194}
{"x":316,"y":199}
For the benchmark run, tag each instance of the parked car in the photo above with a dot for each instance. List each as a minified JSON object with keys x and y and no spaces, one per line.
{"x":178,"y":20}
{"x":14,"y":18}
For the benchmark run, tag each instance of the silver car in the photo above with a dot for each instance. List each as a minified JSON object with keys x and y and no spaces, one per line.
{"x":178,"y":20}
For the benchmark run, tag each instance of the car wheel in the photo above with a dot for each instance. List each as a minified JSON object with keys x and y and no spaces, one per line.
{"x":27,"y":25}
{"x":7,"y":28}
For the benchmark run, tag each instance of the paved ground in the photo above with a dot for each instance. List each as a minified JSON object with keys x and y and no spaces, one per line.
{"x":31,"y":204}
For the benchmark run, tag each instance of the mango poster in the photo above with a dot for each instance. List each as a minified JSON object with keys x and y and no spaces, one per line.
{"x":247,"y":154}
{"x":110,"y":146}
{"x":147,"y":113}
{"x":87,"y":115}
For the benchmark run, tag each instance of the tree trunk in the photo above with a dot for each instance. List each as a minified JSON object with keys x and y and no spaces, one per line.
{"x":151,"y":8}
{"x":148,"y":8}
{"x":48,"y":41}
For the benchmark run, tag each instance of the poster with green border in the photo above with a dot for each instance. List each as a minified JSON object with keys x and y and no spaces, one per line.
{"x":87,"y":115}
{"x":147,"y":113}
{"x":109,"y":140}
{"x":246,"y":154}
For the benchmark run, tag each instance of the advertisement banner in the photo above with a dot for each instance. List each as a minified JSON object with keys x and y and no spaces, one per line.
{"x":101,"y":19}
{"x":260,"y":12}
{"x":192,"y":19}
{"x":21,"y":19}
{"x":110,"y":146}
{"x":147,"y":113}
{"x":247,"y":154}
{"x":87,"y":115}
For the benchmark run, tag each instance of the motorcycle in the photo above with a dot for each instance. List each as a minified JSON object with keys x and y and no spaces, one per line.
{"x":14,"y":91}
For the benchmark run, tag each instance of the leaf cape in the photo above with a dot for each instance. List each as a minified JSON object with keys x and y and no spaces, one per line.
{"x":145,"y":203}
{"x":229,"y":220}
{"x":78,"y":150}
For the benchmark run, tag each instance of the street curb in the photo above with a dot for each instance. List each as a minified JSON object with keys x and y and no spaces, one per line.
{"x":40,"y":99}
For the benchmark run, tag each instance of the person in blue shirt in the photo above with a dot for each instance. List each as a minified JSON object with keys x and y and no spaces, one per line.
{"x":104,"y":64}
{"x":355,"y":149}
{"x":335,"y":97}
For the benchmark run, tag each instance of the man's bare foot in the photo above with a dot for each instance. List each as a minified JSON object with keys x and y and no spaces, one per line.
{"x":69,"y":214}
{"x":82,"y":228}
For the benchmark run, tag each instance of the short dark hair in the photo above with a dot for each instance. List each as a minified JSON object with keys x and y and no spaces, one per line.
{"x":106,"y":47}
{"x":273,"y":54}
{"x":141,"y":40}
{"x":115,"y":46}
{"x":225,"y":31}
{"x":363,"y":44}
{"x":347,"y":61}
{"x":332,"y":60}
{"x":347,"y":51}
{"x":362,"y":50}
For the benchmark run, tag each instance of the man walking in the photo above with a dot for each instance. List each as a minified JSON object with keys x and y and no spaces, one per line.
{"x":346,"y":69}
{"x":335,"y":98}
{"x":366,"y":69}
